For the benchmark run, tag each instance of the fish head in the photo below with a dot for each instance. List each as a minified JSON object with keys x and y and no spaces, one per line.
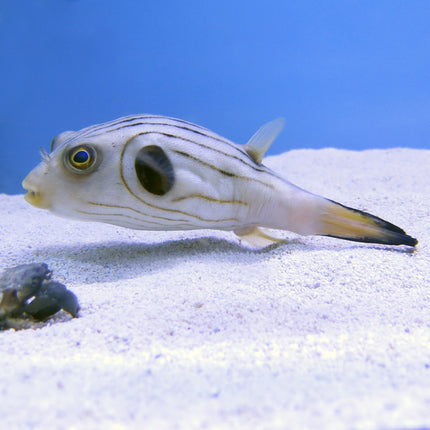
{"x":71,"y":175}
{"x":102,"y":177}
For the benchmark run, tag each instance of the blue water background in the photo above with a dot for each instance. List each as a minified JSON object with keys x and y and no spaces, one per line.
{"x":345,"y":74}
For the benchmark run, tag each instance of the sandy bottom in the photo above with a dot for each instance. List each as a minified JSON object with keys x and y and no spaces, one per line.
{"x":187,"y":330}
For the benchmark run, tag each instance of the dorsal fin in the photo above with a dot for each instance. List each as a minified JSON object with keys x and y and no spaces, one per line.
{"x":260,"y":142}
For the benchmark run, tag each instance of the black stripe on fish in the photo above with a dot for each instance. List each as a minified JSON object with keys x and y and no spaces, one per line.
{"x":107,"y":215}
{"x":223,"y":172}
{"x":205,"y":133}
{"x":253,"y":166}
{"x":136,"y":211}
{"x":210,"y":199}
{"x":159,"y":207}
{"x":118,"y":124}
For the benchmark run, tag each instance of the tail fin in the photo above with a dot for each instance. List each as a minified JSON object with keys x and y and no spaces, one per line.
{"x":352,"y":224}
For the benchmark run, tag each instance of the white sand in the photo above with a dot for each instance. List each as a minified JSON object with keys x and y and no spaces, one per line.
{"x":186,"y":330}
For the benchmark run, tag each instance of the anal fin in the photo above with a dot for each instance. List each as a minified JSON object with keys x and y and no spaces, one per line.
{"x":256,"y":238}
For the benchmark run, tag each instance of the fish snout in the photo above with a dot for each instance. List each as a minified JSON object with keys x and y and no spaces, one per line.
{"x":35,"y":196}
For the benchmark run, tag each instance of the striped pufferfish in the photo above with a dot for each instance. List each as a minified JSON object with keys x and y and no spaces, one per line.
{"x":156,"y":173}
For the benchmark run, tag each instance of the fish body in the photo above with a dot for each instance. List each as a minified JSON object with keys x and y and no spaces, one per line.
{"x":156,"y":173}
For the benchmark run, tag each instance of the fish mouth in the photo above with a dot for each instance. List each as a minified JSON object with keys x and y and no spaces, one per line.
{"x":36,"y":199}
{"x":34,"y":196}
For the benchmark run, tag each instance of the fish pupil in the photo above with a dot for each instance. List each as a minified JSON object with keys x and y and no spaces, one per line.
{"x":81,"y":157}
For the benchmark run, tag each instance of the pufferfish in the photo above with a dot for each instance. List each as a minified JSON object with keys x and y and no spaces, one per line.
{"x":151,"y":172}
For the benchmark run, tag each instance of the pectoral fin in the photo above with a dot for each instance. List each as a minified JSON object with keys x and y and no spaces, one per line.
{"x":256,"y":238}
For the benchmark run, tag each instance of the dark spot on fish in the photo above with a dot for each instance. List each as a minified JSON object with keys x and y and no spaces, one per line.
{"x":154,"y":170}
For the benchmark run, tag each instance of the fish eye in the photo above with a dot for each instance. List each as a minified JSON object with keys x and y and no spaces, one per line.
{"x":81,"y":158}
